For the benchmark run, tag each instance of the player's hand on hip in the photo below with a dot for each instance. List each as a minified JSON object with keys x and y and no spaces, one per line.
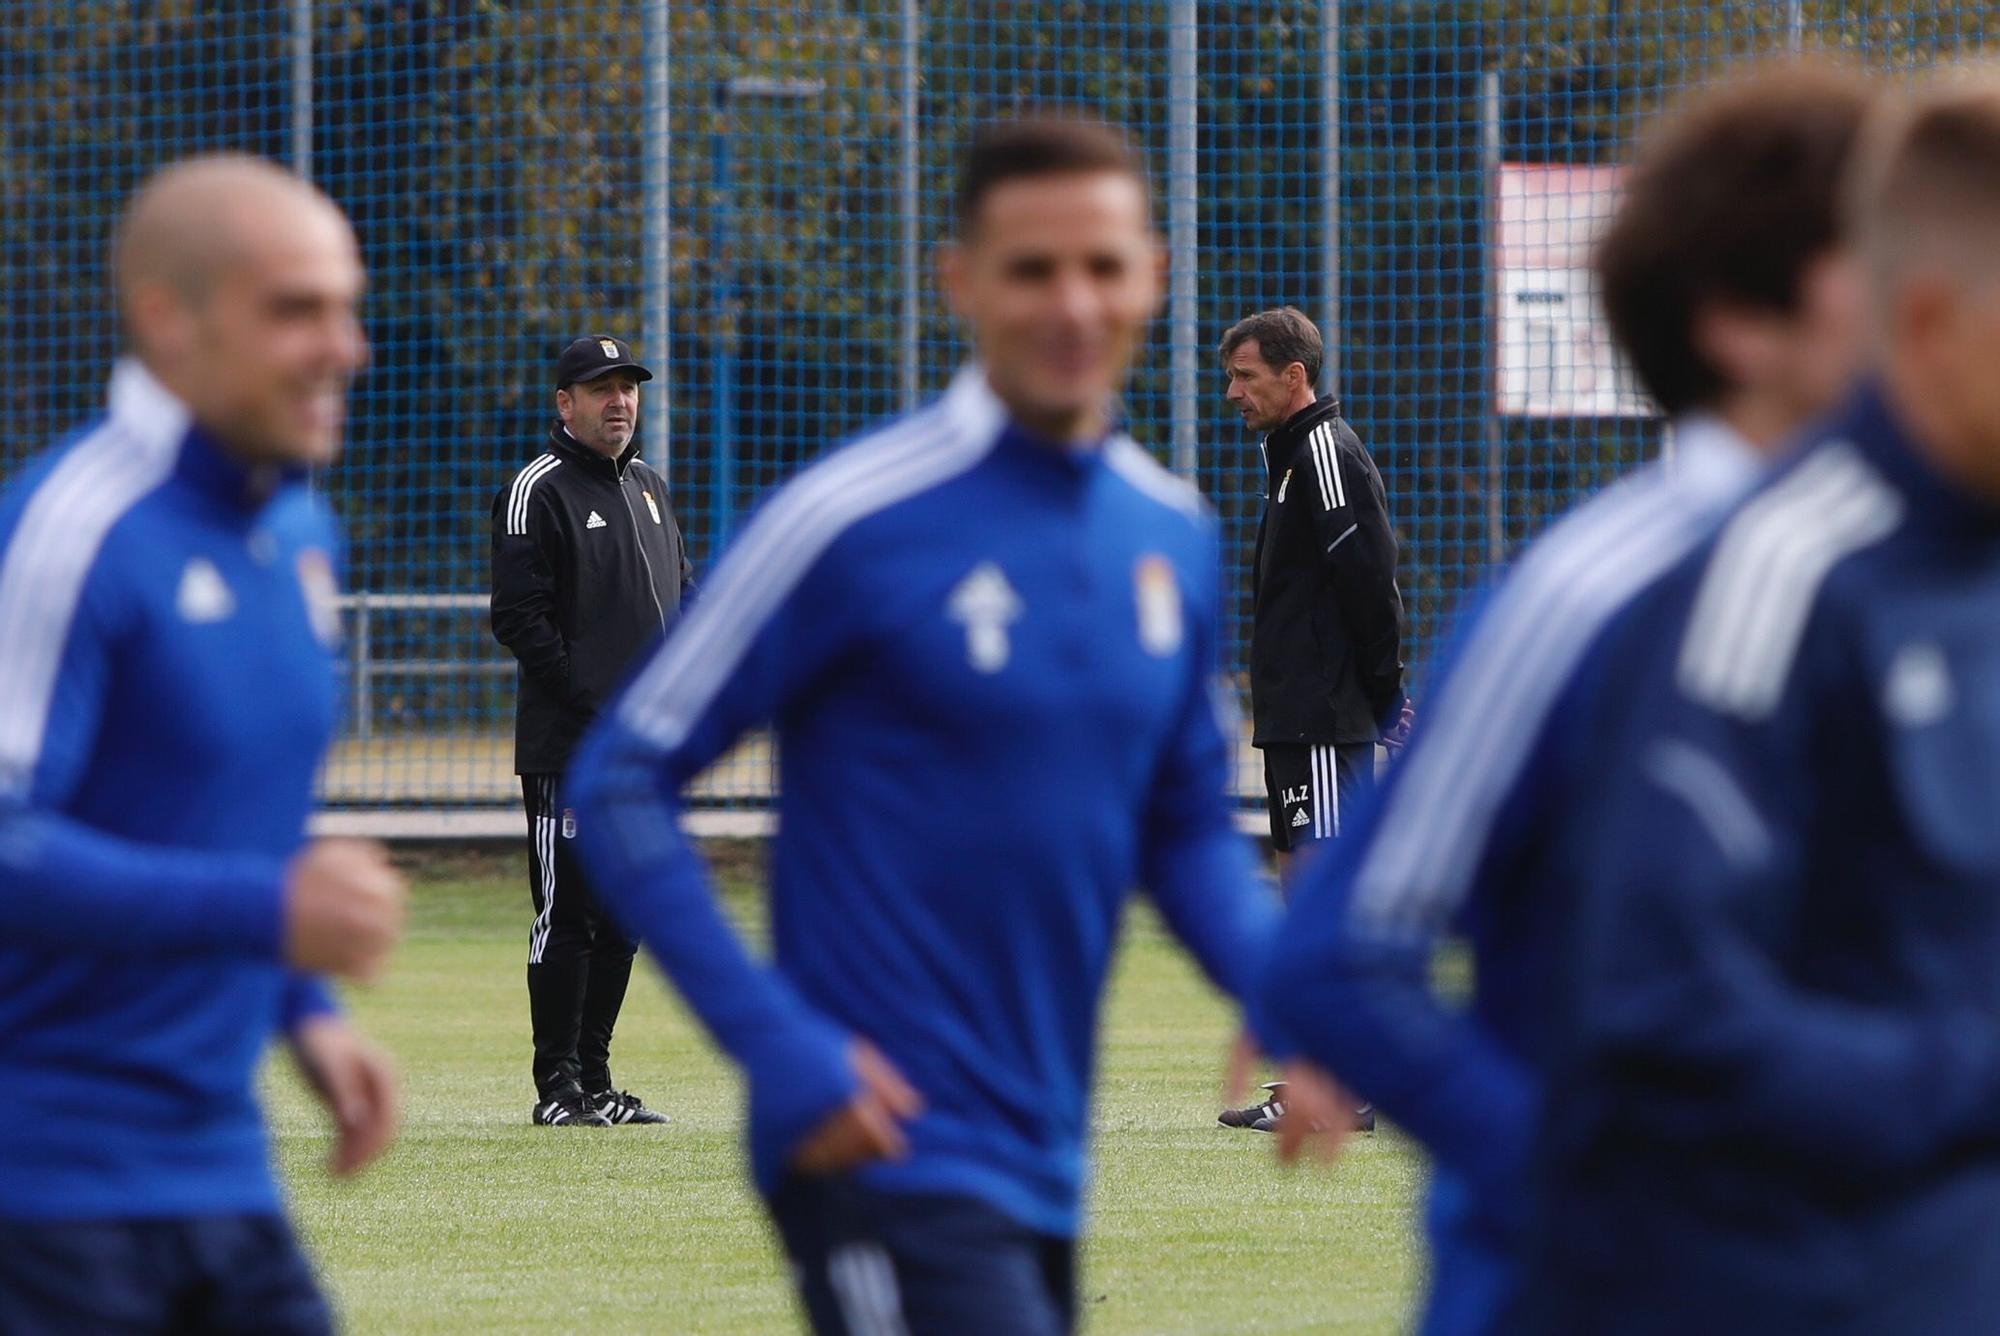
{"x":869,"y":1126}
{"x":1318,"y":1116}
{"x":356,"y":1080}
{"x":343,"y":908}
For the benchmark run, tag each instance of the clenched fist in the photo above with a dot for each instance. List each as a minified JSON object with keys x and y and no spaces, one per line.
{"x":343,"y":908}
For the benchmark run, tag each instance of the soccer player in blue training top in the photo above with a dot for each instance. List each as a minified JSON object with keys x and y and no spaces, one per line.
{"x":1781,"y":1053}
{"x":986,"y":636}
{"x":167,"y":627}
{"x":1725,"y":277}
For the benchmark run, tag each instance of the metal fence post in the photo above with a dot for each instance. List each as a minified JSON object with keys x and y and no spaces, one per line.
{"x":1183,"y":109}
{"x":1329,"y":203}
{"x":722,"y":318}
{"x":656,"y":165}
{"x":302,"y":88}
{"x":1496,"y":472}
{"x":361,"y":656}
{"x":912,"y":313}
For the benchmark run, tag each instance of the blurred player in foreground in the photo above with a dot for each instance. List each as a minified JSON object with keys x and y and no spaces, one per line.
{"x":167,"y":629}
{"x":1781,"y":1059}
{"x":986,"y":635}
{"x":1725,"y":278}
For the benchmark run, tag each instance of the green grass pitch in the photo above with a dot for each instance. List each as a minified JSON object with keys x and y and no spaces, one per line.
{"x":478,"y":1222}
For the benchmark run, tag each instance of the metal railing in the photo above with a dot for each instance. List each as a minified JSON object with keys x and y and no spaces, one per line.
{"x":454,"y":817}
{"x":364,"y":669}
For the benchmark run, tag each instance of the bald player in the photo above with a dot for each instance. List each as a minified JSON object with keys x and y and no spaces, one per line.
{"x":167,"y":634}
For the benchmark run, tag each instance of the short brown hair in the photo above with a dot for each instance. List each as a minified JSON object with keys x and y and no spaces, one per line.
{"x":1284,"y":335}
{"x":1041,"y":144}
{"x":1733,"y":196}
{"x":1926,"y":184}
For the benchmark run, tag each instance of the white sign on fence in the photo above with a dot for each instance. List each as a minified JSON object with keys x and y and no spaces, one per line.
{"x":1555,"y":354}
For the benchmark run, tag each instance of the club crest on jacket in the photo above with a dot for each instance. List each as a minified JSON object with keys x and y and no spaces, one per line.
{"x":1158,"y":595}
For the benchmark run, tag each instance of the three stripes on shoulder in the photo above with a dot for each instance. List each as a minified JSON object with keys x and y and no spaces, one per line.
{"x":523,"y":488}
{"x":1765,"y":574}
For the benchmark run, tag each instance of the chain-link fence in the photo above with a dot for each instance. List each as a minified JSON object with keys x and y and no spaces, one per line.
{"x":750,"y":190}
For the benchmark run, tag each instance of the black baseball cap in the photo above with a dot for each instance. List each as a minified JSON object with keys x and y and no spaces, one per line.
{"x":594,"y":354}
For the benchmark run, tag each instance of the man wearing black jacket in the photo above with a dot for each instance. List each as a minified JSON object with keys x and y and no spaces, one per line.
{"x":1326,"y":665}
{"x":1326,"y":668}
{"x":588,"y":570}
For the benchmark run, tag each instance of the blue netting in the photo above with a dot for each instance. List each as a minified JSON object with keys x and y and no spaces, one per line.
{"x":749,"y":189}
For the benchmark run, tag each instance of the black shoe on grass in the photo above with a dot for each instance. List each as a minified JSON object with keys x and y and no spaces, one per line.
{"x":1364,"y":1118}
{"x":620,"y":1107}
{"x":567,"y":1108}
{"x":1268,"y":1112}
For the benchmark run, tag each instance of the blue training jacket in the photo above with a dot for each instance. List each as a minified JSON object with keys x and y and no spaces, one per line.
{"x":1455,"y":844}
{"x":990,"y":663}
{"x":1779,"y":1057}
{"x":166,"y":690}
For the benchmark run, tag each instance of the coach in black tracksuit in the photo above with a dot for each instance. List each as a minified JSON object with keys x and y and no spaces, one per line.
{"x":1326,"y":667}
{"x":588,"y":570}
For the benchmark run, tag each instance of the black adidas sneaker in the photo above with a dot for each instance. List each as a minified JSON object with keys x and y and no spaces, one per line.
{"x":1364,"y":1118}
{"x":1268,"y":1112}
{"x":619,"y":1107}
{"x":567,"y":1108}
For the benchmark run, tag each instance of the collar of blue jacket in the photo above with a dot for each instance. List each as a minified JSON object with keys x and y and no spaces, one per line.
{"x":978,"y":411}
{"x":1890,"y":445}
{"x":144,"y":407}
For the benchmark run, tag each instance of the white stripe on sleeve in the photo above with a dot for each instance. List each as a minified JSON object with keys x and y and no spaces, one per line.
{"x":524,"y":486}
{"x":43,"y":572}
{"x":1516,"y":663}
{"x":1316,"y":446}
{"x":1326,"y":453}
{"x":779,"y":547}
{"x":1760,"y":586}
{"x":1715,"y":798}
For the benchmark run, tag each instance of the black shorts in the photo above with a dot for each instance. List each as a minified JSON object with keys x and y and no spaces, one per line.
{"x":867,"y":1261}
{"x":1308,"y":786}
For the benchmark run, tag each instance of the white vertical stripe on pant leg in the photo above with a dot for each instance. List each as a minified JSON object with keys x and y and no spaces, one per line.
{"x":1333,"y":784}
{"x":1323,"y":793}
{"x":1318,"y":795}
{"x":1318,"y":782}
{"x":881,"y":1272}
{"x":548,"y":860}
{"x":864,"y":1283}
{"x":1312,"y":785}
{"x":544,"y":836}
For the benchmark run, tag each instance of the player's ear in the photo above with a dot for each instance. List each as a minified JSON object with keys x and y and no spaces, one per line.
{"x":161,"y":320}
{"x":1923,"y":312}
{"x":565,"y":404}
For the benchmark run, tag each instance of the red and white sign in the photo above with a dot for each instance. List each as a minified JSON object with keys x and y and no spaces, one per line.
{"x":1555,"y":353}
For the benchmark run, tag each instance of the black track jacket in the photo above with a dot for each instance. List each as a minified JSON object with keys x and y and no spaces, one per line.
{"x":588,"y":570}
{"x":1326,"y":639}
